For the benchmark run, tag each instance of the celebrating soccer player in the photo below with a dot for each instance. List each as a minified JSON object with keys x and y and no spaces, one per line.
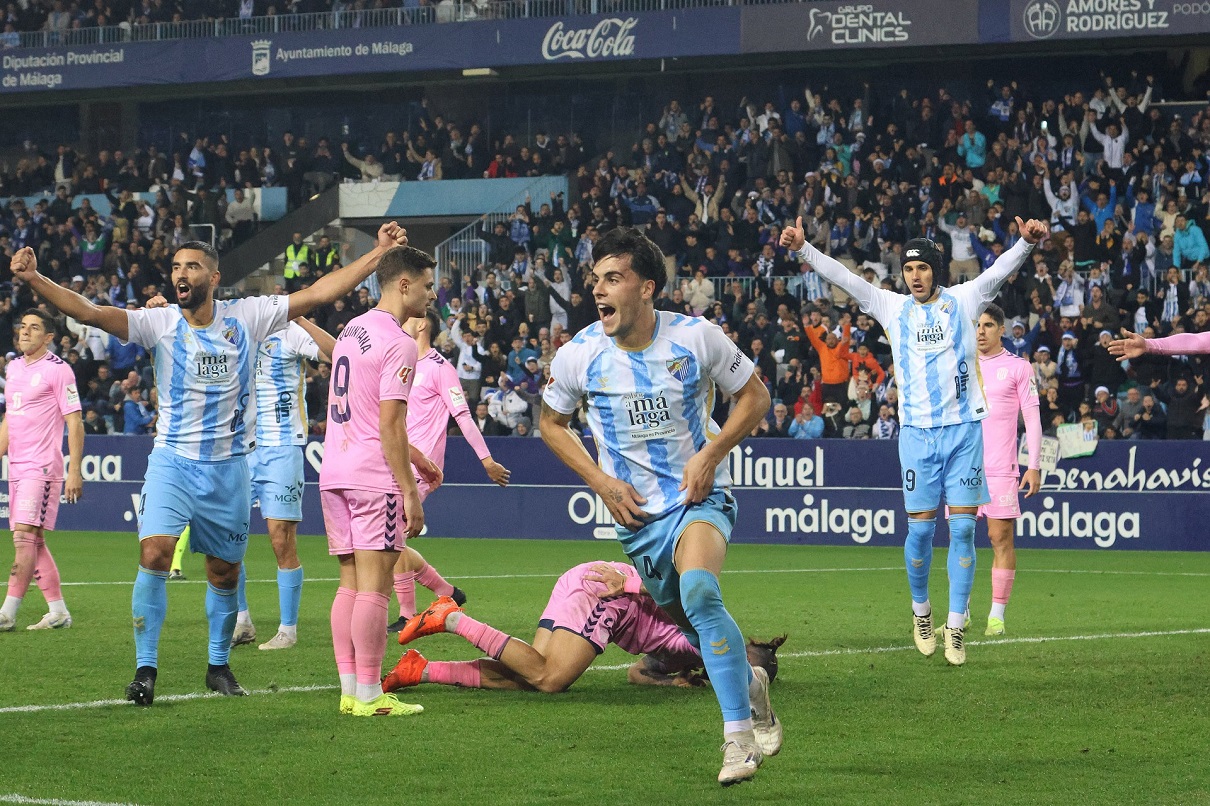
{"x":941,"y":403}
{"x":436,"y":395}
{"x":592,"y":605}
{"x":276,"y":468}
{"x":649,"y":378}
{"x":1011,"y":388}
{"x":204,"y":354}
{"x":40,"y":391}
{"x":371,"y":503}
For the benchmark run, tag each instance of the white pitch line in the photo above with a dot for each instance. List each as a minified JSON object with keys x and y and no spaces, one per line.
{"x":823,"y":653}
{"x":12,"y":797}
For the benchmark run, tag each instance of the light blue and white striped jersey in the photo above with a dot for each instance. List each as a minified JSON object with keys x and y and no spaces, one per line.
{"x":936,"y":358}
{"x":649,"y":410}
{"x":281,"y":407}
{"x":203,"y":376}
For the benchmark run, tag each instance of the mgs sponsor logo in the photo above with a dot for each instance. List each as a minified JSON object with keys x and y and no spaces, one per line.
{"x":858,"y":24}
{"x":610,"y":37}
{"x":1041,"y":18}
{"x":260,"y":57}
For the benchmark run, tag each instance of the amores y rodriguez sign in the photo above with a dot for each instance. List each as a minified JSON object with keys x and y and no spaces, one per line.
{"x":610,"y":37}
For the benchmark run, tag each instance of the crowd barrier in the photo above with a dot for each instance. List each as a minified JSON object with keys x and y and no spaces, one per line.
{"x":1128,"y":495}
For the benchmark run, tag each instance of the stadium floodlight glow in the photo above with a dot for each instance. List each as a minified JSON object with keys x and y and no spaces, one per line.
{"x":479,"y":72}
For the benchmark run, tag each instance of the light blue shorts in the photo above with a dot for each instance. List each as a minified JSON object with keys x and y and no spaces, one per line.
{"x":212,"y":497}
{"x":947,"y":459}
{"x":651,"y":549}
{"x":277,"y":481}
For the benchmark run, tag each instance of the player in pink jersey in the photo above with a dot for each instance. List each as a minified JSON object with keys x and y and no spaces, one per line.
{"x":592,"y":605}
{"x":370,"y":501}
{"x":1132,"y":345}
{"x":41,"y":396}
{"x":436,"y":396}
{"x":1011,"y":388}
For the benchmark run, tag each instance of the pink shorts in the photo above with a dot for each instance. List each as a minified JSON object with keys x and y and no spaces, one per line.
{"x":1005,"y":504}
{"x":574,"y":609}
{"x":362,"y":520}
{"x":34,"y":502}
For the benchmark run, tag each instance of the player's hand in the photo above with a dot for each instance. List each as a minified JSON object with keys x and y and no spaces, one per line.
{"x":74,"y":487}
{"x":157,"y":301}
{"x":428,"y":471}
{"x":624,"y":503}
{"x":698,"y":478}
{"x":497,"y":472}
{"x":391,"y":234}
{"x":1131,"y":345}
{"x":613,"y":579}
{"x":1032,"y":231}
{"x":794,"y":237}
{"x":413,"y":512}
{"x":25,"y":264}
{"x":1031,"y":481}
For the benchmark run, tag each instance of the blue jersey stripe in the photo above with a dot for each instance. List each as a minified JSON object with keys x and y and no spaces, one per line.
{"x":960,"y":327}
{"x":604,"y":407}
{"x":932,"y":378}
{"x":904,"y":367}
{"x":245,"y":365}
{"x":175,"y":372}
{"x":657,"y":449}
{"x":693,"y":410}
{"x":210,"y":408}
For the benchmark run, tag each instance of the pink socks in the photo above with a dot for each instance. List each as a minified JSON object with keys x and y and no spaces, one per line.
{"x":47,"y":574}
{"x":429,"y":578}
{"x":458,"y":673}
{"x":1002,"y":584}
{"x":342,"y":630}
{"x":26,"y":546}
{"x":369,"y":628}
{"x":405,"y":592}
{"x":487,"y":639}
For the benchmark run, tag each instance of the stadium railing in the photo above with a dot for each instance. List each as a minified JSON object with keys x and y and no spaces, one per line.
{"x":441,"y":12}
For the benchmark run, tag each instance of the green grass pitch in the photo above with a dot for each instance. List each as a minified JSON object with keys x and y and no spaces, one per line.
{"x":1094,"y":714}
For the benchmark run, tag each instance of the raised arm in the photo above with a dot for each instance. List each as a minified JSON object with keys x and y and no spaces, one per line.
{"x":332,"y":286}
{"x":108,"y":318}
{"x":794,"y":239}
{"x":989,"y":282}
{"x":323,"y":339}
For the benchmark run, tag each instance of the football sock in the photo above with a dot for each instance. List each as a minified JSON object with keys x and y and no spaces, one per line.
{"x":1002,"y":588}
{"x":148,"y":606}
{"x":961,"y":565}
{"x":57,"y":606}
{"x":918,"y":557}
{"x":47,"y":575}
{"x":289,"y":594}
{"x":11,"y":605}
{"x":241,"y":595}
{"x":428,"y":577}
{"x":348,"y":685}
{"x":405,"y":592}
{"x":24,"y":563}
{"x":487,"y":639}
{"x":456,"y":673}
{"x":722,"y":644}
{"x":220,"y":613}
{"x":342,"y":635}
{"x":369,"y":631}
{"x":178,"y":554}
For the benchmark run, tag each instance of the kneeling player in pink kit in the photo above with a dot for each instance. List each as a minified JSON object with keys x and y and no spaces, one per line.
{"x":1010,"y":386}
{"x":592,"y":605}
{"x":436,"y":396}
{"x":367,"y":488}
{"x":41,"y":396}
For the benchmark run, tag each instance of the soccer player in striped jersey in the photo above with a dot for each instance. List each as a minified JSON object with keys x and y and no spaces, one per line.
{"x":650,"y":379}
{"x":592,"y":605}
{"x":436,"y":396}
{"x":204,"y":353}
{"x":42,"y":398}
{"x":932,"y":333}
{"x":1011,"y":389}
{"x":276,"y":467}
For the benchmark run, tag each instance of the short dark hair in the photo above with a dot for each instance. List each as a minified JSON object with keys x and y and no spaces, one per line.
{"x":403,"y":260}
{"x":995,"y":312}
{"x":201,"y":246}
{"x":48,"y":321}
{"x":434,"y":321}
{"x":646,"y":259}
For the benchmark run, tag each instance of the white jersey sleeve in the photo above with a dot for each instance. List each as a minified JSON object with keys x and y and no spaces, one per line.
{"x":565,"y":388}
{"x":146,"y":326}
{"x":263,"y":316}
{"x":725,"y":363}
{"x":883,"y":305}
{"x":974,"y":295}
{"x":298,"y":342}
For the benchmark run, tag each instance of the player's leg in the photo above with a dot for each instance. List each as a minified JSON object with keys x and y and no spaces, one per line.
{"x":178,"y":556}
{"x":222,"y":579}
{"x":25,"y":560}
{"x":922,"y":485}
{"x":965,"y":492}
{"x":46,"y":572}
{"x":428,"y":576}
{"x":1004,"y":571}
{"x":403,"y":580}
{"x":244,"y":631}
{"x":337,"y":524}
{"x":283,"y":536}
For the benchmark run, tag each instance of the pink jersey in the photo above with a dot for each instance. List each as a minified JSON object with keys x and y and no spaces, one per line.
{"x":1010,"y":386}
{"x":1180,"y":344}
{"x":38,"y":395}
{"x":634,"y":622}
{"x":373,"y":360}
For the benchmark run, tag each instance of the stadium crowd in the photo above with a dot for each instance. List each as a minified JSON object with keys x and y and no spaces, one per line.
{"x":1121,"y":180}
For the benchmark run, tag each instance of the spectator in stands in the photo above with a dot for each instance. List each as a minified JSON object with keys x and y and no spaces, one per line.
{"x":369,"y":168}
{"x":806,"y":425}
{"x":137,"y":416}
{"x":1183,"y":403}
{"x":1151,"y":422}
